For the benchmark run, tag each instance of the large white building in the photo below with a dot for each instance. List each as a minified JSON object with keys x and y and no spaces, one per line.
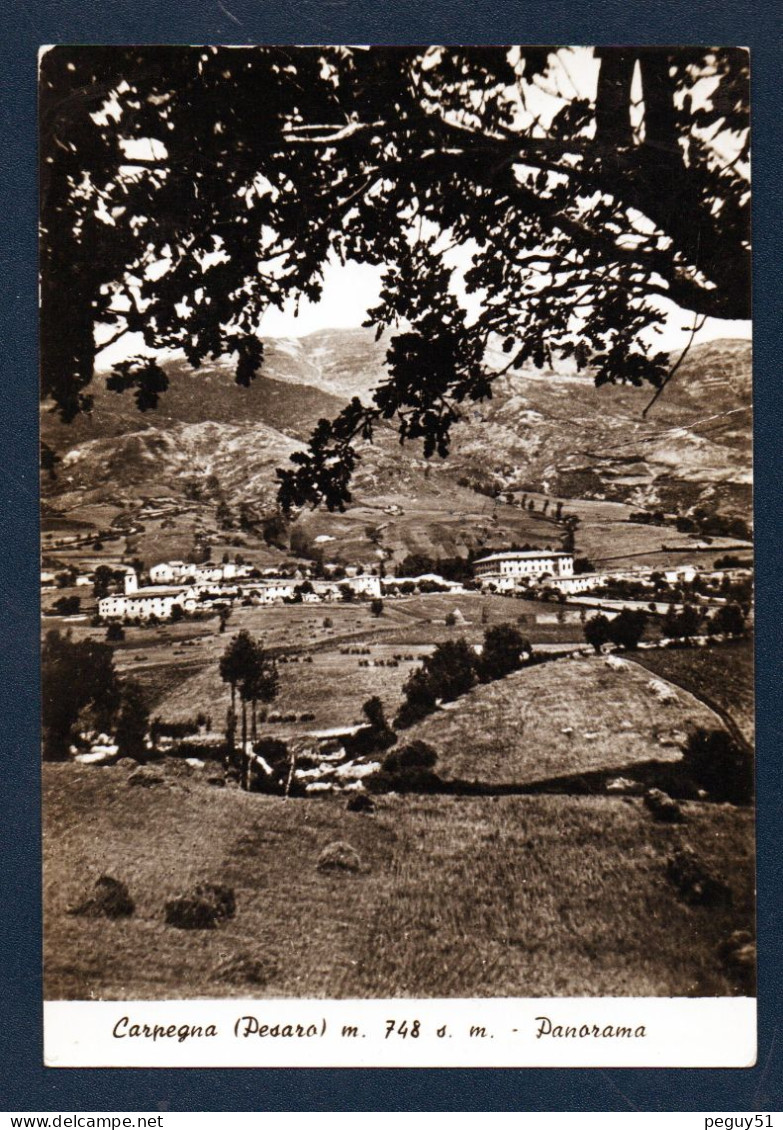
{"x":153,"y":600}
{"x":515,"y":567}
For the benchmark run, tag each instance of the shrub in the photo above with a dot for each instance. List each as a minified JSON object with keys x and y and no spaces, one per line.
{"x":191,"y":913}
{"x":410,"y":713}
{"x":133,"y":720}
{"x":111,"y":899}
{"x":339,"y":856}
{"x":222,"y":896}
{"x":360,"y":802}
{"x":416,"y":755}
{"x":146,"y":778}
{"x":67,"y":605}
{"x":662,"y":807}
{"x":377,"y":738}
{"x":275,"y":754}
{"x":409,"y":769}
{"x":693,"y":882}
{"x":720,"y":765}
{"x":159,"y":729}
{"x":204,"y":909}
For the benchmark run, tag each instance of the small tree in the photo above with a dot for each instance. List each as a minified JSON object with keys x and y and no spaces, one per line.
{"x":233,"y":664}
{"x":75,"y":676}
{"x":224,"y":515}
{"x":682,"y":625}
{"x":378,"y":737}
{"x":115,"y":633}
{"x":376,"y":606}
{"x":596,"y":631}
{"x":729,"y":620}
{"x":627,"y":628}
{"x":504,"y":646}
{"x":102,"y":579}
{"x":253,"y":673}
{"x":451,"y":669}
{"x":420,"y":699}
{"x":133,"y":721}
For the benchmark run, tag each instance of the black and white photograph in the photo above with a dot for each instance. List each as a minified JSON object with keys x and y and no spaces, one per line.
{"x":396,"y":529}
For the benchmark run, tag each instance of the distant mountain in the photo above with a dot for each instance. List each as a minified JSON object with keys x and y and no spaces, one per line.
{"x":557,"y":433}
{"x":552,"y":432}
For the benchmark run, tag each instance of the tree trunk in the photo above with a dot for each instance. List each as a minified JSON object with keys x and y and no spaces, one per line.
{"x":245,"y":761}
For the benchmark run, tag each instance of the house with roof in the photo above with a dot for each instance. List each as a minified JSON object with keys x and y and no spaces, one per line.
{"x":515,"y":568}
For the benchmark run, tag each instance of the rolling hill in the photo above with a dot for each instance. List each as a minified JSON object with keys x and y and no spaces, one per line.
{"x":547,"y":432}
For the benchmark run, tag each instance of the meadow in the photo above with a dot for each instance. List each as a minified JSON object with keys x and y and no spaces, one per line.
{"x":563,"y":718}
{"x":455,"y":896}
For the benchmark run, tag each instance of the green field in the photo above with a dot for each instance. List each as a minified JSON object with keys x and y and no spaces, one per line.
{"x":491,"y":896}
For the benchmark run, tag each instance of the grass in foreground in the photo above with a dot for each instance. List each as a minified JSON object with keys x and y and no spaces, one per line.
{"x":457,"y":896}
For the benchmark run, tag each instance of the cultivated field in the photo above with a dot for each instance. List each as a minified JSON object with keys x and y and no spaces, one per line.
{"x":177,"y":663}
{"x":456,"y":896}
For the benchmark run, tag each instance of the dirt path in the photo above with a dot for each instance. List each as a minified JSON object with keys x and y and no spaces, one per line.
{"x":723,"y":717}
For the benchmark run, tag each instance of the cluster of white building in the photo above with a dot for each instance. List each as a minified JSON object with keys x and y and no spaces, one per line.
{"x":182,"y":572}
{"x":515,"y":570}
{"x":190,"y":587}
{"x":205,"y":587}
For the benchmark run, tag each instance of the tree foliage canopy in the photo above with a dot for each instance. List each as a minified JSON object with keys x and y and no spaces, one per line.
{"x":186,"y":190}
{"x":75,"y":675}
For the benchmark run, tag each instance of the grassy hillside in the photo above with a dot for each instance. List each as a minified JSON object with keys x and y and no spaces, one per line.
{"x":550,"y":432}
{"x":569,"y":717}
{"x":721,"y":675}
{"x":517,"y":896}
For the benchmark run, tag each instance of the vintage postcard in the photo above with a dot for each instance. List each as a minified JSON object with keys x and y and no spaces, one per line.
{"x":397,"y":556}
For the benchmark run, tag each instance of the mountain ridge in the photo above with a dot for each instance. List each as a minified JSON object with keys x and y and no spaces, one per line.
{"x":552,"y":432}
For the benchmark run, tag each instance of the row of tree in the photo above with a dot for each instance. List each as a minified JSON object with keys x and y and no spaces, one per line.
{"x":627,"y":629}
{"x":252,"y":674}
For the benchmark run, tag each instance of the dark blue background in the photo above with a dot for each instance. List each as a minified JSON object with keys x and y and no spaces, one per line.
{"x":24,"y":1083}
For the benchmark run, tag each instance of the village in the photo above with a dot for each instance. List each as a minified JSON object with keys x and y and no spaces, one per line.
{"x":176,"y":588}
